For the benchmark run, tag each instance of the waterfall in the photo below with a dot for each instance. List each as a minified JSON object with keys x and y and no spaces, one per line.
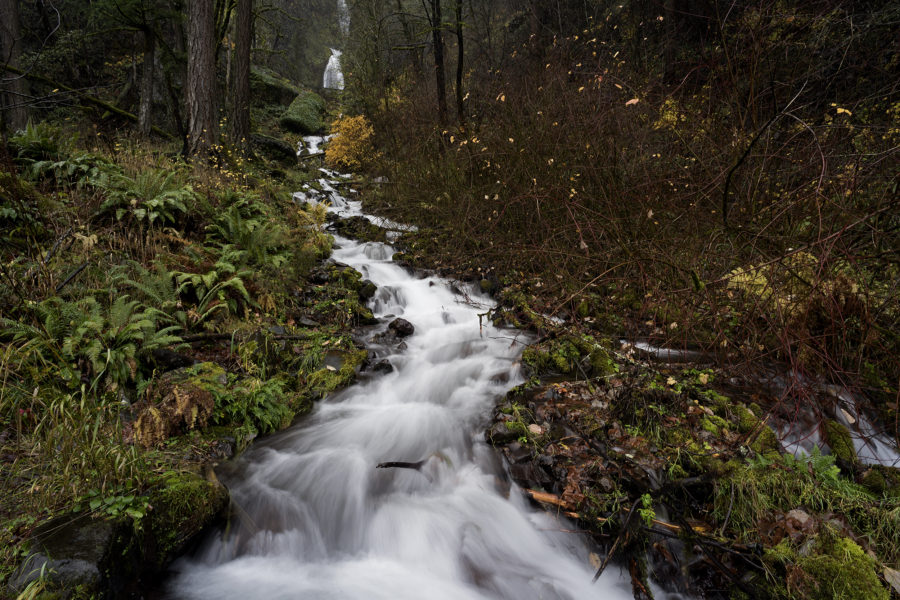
{"x":344,"y":17}
{"x":334,"y":77}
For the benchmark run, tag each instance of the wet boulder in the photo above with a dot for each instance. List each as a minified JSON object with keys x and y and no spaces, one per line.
{"x":69,"y":553}
{"x":401,"y":327}
{"x":366,"y":290}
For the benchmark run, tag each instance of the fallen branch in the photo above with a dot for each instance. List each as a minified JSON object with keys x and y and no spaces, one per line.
{"x":400,"y":465}
{"x":72,"y":276}
{"x":554,"y":500}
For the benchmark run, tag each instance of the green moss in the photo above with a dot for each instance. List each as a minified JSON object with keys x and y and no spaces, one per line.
{"x":706,"y":424}
{"x":765,"y":440}
{"x":584,"y":309}
{"x":268,"y":87}
{"x":325,"y":380}
{"x":746,"y":420}
{"x":304,"y":115}
{"x":183,"y":506}
{"x":882,"y":480}
{"x":838,"y":438}
{"x":835,"y":568}
{"x":563,"y":356}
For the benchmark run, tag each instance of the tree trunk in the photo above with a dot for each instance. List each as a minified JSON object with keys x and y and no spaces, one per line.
{"x":145,"y":110}
{"x":13,"y":87}
{"x":460,"y":102}
{"x":201,"y":78}
{"x":437,"y":39}
{"x":240,"y":79}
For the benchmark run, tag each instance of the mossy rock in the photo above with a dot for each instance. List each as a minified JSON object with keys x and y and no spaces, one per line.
{"x":834,"y":568}
{"x":274,"y":148}
{"x":882,"y":480}
{"x":569,"y":355}
{"x":304,"y":115}
{"x":359,"y":228}
{"x":268,"y":87}
{"x":838,"y":439}
{"x":183,"y":507}
{"x":325,"y":380}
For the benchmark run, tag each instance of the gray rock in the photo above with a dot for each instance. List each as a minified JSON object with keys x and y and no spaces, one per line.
{"x":501,"y":434}
{"x":383,"y":366}
{"x":367,"y":289}
{"x":401,"y":327}
{"x":69,"y":552}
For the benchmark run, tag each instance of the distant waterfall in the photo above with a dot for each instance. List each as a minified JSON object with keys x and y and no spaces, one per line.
{"x":334,"y":77}
{"x":343,"y":17}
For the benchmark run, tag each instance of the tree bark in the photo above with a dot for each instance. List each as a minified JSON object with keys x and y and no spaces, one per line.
{"x":145,"y":110}
{"x":201,"y":78}
{"x":437,"y":39}
{"x":460,"y":102}
{"x":13,"y":87}
{"x":240,"y":79}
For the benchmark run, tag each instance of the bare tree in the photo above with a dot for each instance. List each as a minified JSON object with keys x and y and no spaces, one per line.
{"x":201,"y":77}
{"x":435,"y":21}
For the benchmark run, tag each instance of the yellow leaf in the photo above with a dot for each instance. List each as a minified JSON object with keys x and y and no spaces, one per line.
{"x":844,"y":111}
{"x":704,"y":378}
{"x":671,"y":381}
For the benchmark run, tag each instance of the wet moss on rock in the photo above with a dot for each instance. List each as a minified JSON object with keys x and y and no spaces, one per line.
{"x":183,"y":507}
{"x":304,"y":115}
{"x":575,"y":355}
{"x":831,"y":568}
{"x":838,"y":439}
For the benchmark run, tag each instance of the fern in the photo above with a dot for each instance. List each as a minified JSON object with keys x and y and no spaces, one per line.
{"x":156,"y":288}
{"x":152,"y":196}
{"x":221,"y":288}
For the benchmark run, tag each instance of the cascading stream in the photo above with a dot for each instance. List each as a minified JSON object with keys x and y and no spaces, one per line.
{"x":317,"y":519}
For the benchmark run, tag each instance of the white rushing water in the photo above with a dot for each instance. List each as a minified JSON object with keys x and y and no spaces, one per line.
{"x":317,"y":520}
{"x":343,"y":17}
{"x":333,"y":78}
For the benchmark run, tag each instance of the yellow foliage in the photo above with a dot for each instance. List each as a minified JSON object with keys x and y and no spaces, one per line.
{"x":351,"y":147}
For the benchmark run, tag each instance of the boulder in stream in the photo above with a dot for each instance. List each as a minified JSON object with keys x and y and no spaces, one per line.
{"x":401,"y":327}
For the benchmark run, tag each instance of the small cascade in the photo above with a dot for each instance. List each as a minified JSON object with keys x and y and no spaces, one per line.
{"x":317,"y":518}
{"x":334,"y":77}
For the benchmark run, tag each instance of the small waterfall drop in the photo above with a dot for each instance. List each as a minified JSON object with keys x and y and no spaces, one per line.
{"x":334,"y":77}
